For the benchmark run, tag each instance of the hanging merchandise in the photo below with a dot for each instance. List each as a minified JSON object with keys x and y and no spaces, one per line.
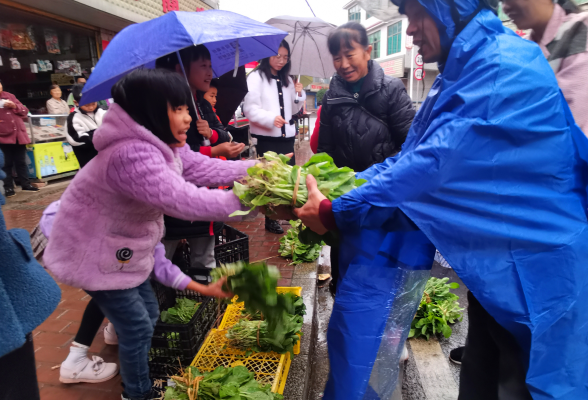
{"x":5,"y":35}
{"x":52,"y":41}
{"x":20,"y":39}
{"x":41,"y":65}
{"x":34,"y":68}
{"x":48,"y":65}
{"x":1,"y":61}
{"x":14,"y":64}
{"x":31,"y":36}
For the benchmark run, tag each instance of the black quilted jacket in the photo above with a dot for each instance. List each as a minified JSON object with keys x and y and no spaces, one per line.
{"x":359,"y":132}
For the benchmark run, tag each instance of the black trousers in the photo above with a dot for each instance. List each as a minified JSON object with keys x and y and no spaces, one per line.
{"x":18,"y":373}
{"x":492,"y":366}
{"x":15,"y":156}
{"x":275,"y":144}
{"x":91,"y":321}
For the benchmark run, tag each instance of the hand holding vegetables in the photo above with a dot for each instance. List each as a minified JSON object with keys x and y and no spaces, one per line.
{"x":213,"y":290}
{"x":309,"y":213}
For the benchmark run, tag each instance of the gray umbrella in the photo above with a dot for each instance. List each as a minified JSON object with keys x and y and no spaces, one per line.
{"x":308,"y":45}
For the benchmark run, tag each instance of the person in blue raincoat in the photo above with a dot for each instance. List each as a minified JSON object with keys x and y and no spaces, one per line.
{"x":494,"y":174}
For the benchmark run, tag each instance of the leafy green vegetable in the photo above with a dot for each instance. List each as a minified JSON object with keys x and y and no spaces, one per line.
{"x":292,"y":247}
{"x":272,"y":182}
{"x":255,"y":336}
{"x":181,"y":313}
{"x":438,"y":308}
{"x":235,"y":383}
{"x":255,"y":284}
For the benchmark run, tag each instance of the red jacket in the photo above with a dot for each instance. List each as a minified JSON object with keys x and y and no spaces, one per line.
{"x":12,"y":126}
{"x":315,"y":133}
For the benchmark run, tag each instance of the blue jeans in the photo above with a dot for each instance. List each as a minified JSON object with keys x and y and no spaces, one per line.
{"x":133,"y":313}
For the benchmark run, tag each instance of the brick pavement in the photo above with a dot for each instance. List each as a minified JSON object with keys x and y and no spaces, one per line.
{"x":52,"y":338}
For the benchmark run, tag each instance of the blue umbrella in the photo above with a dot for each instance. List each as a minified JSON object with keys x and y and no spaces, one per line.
{"x":232,"y":40}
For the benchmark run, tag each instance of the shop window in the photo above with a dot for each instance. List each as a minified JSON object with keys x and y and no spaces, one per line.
{"x":395,"y":38}
{"x":355,"y":13}
{"x":37,"y":51}
{"x":374,"y":40}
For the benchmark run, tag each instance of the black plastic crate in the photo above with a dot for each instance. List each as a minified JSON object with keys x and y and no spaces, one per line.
{"x":175,"y":344}
{"x":231,"y":246}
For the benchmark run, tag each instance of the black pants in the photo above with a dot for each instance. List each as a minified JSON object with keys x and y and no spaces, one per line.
{"x":84,"y":154}
{"x":335,"y":264}
{"x":18,"y":373}
{"x":91,"y":321}
{"x":492,"y":365}
{"x":275,"y":144}
{"x":15,"y":155}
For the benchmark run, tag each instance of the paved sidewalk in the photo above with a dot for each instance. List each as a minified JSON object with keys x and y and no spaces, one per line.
{"x":53,"y":338}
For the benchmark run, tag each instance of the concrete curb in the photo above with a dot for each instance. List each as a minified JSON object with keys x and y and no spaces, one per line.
{"x":297,"y":385}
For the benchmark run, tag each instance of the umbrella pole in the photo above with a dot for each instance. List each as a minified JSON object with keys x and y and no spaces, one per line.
{"x":187,"y":83}
{"x":205,"y":142}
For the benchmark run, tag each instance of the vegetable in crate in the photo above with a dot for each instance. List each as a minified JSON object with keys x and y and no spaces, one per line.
{"x":181,"y":313}
{"x":236,"y":383}
{"x":255,"y":335}
{"x":274,"y":182}
{"x":255,"y":284}
{"x":438,"y":308}
{"x":292,"y":247}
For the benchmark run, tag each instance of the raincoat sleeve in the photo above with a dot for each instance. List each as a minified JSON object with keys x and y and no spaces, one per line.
{"x":253,"y":104}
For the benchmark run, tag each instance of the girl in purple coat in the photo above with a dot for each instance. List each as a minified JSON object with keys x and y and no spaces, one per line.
{"x":111,"y":215}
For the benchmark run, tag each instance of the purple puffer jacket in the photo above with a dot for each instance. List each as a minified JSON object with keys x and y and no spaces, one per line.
{"x":111,"y":215}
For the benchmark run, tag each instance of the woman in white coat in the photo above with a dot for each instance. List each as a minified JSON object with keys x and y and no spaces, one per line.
{"x":272,"y":100}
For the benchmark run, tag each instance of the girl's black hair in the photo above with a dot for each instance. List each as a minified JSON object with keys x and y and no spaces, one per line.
{"x":188,"y":55}
{"x":76,"y":91}
{"x":54,"y":86}
{"x":345,"y":34}
{"x":145,"y":93}
{"x":265,"y":68}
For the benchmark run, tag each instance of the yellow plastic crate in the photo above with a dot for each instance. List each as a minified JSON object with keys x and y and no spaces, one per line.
{"x":269,"y":368}
{"x":233,"y":312}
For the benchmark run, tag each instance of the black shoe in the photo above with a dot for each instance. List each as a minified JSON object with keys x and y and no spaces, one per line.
{"x":30,"y":188}
{"x":153,"y":395}
{"x":9,"y":193}
{"x":273,"y":226}
{"x":455,"y":355}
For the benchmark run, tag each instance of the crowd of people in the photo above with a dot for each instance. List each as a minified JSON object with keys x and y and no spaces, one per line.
{"x":492,"y":171}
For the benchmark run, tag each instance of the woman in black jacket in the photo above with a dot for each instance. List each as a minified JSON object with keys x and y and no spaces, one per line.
{"x":366,"y":114}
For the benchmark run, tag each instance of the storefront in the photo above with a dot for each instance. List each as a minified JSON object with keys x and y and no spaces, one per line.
{"x":37,"y":51}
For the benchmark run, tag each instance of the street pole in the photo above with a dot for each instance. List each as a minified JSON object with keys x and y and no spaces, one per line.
{"x":411,"y":71}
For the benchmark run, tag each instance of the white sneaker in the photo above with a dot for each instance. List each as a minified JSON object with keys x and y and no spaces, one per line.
{"x":95,"y":371}
{"x":110,"y":336}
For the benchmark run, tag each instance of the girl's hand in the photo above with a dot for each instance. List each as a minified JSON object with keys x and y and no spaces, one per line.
{"x":299,"y":88}
{"x":212,"y":290}
{"x":204,"y":128}
{"x":216,"y":289}
{"x":228,"y":150}
{"x":279,"y":121}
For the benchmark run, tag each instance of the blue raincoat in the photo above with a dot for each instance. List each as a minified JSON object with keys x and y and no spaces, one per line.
{"x":494,"y":174}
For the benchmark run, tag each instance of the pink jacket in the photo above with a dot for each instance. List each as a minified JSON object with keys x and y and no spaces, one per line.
{"x":12,"y":127}
{"x":111,"y":215}
{"x":571,"y":65}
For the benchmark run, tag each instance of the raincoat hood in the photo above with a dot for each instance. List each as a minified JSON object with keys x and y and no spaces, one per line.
{"x":451,"y":16}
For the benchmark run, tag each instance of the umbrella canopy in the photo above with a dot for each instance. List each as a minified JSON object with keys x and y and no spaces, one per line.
{"x":141,"y":44}
{"x":231,"y":92}
{"x":308,"y":45}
